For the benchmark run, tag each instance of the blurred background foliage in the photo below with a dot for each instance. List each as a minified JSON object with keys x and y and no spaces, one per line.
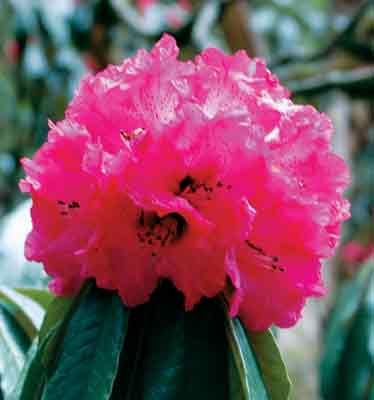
{"x":323,"y":50}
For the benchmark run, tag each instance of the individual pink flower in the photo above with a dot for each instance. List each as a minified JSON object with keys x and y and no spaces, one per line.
{"x":201,"y":172}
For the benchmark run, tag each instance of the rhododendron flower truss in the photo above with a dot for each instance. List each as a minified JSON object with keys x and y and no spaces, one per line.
{"x":203,"y":172}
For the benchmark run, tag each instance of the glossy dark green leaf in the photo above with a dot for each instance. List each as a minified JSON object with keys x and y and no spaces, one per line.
{"x":90,"y":351}
{"x":246,"y":380}
{"x":55,"y":324}
{"x":273,"y":369}
{"x":14,"y":344}
{"x":59,"y":309}
{"x":42,"y":297}
{"x":180,"y":355}
{"x":338,"y":330}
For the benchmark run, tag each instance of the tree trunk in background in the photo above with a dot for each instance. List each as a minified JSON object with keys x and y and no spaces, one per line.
{"x":235,"y":25}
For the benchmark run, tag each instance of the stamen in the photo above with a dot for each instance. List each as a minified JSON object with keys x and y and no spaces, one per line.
{"x":137,"y":132}
{"x":185,"y":183}
{"x":203,"y":190}
{"x":71,"y":205}
{"x":127,"y":137}
{"x":254,"y":247}
{"x":141,"y":218}
{"x":266,"y":260}
{"x":156,"y":231}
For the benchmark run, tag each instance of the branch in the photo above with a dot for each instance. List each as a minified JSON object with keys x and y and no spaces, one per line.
{"x":357,"y":82}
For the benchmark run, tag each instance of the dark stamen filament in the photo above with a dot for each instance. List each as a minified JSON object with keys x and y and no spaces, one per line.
{"x":266,"y":260}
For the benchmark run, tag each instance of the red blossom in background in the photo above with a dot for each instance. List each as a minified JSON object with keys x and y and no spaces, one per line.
{"x":201,"y":172}
{"x":356,"y":253}
{"x":142,"y":5}
{"x":12,"y":51}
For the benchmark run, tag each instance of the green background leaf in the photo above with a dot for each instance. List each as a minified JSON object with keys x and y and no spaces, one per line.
{"x":28,"y":314}
{"x":42,"y":297}
{"x":273,"y":369}
{"x":14,"y":344}
{"x":347,"y":339}
{"x":346,"y":369}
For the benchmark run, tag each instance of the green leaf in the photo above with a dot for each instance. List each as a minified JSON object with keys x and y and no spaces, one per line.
{"x":178,"y":355}
{"x":56,"y":320}
{"x":14,"y":344}
{"x":28,"y":313}
{"x":273,"y":369}
{"x":59,"y":309}
{"x":244,"y":365}
{"x":90,"y":352}
{"x":42,"y":297}
{"x":41,"y":360}
{"x":356,"y":369}
{"x":15,"y":395}
{"x":34,"y":372}
{"x":131,"y":353}
{"x":338,"y":328}
{"x":350,"y":334}
{"x":202,"y":354}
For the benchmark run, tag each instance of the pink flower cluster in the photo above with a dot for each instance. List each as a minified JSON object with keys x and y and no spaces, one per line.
{"x":203,"y":172}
